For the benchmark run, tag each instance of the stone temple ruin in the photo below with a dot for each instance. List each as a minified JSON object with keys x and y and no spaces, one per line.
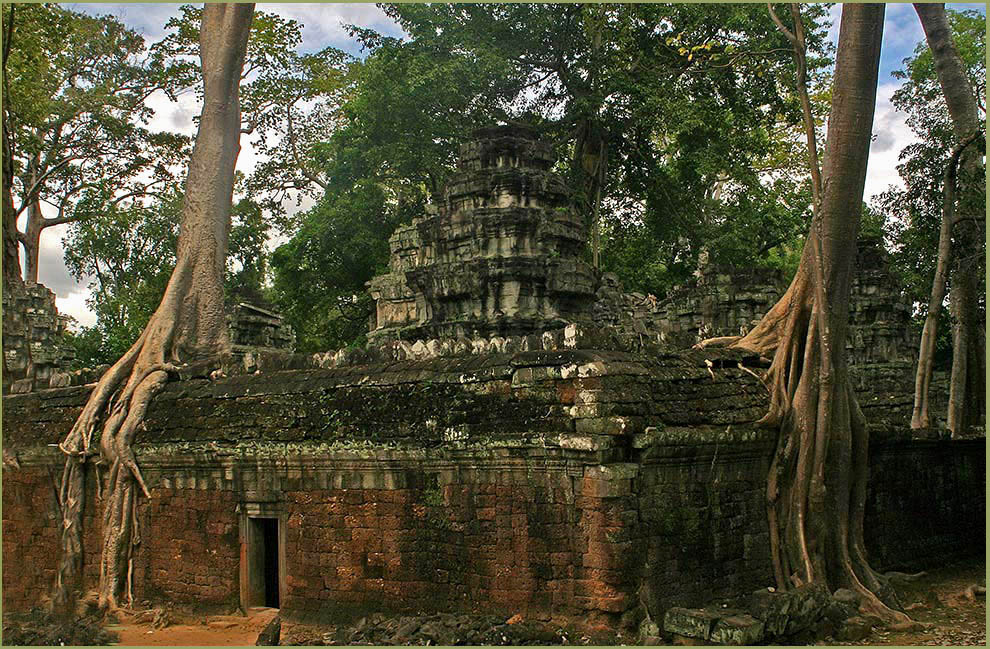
{"x":37,"y":356}
{"x":519,"y":436}
{"x":33,"y":333}
{"x":499,"y":255}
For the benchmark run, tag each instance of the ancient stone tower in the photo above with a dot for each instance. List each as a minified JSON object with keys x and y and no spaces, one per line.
{"x":500,"y":254}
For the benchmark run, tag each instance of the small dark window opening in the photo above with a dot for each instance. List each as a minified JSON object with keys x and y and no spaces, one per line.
{"x":264,"y":575}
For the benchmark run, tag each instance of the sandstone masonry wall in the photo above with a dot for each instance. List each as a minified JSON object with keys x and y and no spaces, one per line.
{"x":569,"y":483}
{"x":505,"y":531}
{"x":728,"y":301}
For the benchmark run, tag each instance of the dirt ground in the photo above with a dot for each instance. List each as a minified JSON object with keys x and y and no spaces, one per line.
{"x":938,"y":600}
{"x":208,"y":631}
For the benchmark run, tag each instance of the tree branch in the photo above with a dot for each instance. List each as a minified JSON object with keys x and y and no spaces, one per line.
{"x":32,"y":193}
{"x":59,"y":220}
{"x":7,"y":38}
{"x":780,"y":25}
{"x":295,"y":152}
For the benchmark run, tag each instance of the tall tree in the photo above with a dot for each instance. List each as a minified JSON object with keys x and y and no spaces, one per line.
{"x":11,"y":252}
{"x":289,"y":100}
{"x":968,"y":378}
{"x":816,"y":489}
{"x":75,"y":113}
{"x":188,"y":326}
{"x":127,"y":254}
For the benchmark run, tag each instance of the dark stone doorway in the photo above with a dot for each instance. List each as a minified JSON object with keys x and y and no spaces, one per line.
{"x":263,"y":559}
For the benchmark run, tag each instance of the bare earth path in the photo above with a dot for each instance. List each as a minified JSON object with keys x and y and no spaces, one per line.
{"x":939,"y":600}
{"x":218,"y":631}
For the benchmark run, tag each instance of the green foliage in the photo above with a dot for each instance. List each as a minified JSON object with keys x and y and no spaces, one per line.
{"x":247,"y":259}
{"x":913,"y":215}
{"x":408,"y":107}
{"x":128,"y":252}
{"x":320,"y":274}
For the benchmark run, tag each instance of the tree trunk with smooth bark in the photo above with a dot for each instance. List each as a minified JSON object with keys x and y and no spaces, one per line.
{"x":12,"y":279}
{"x":920,"y":416}
{"x":967,"y":387}
{"x":188,"y":326}
{"x":816,"y":488}
{"x":11,"y":253}
{"x":31,"y":240}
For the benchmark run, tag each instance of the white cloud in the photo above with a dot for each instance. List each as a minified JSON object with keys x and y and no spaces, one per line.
{"x":892,"y":135}
{"x":323,"y":24}
{"x":146,"y":19}
{"x":51,"y":263}
{"x":74,"y":305}
{"x":70,"y":294}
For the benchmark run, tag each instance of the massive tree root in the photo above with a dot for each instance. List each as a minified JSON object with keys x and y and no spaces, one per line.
{"x":816,"y":486}
{"x":188,"y":326}
{"x":123,"y":394}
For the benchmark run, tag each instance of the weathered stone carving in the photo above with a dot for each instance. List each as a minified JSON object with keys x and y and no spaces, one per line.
{"x":36,"y":355}
{"x":33,"y":347}
{"x":253,"y":327}
{"x":498,"y":261}
{"x":500,"y":254}
{"x":880,"y":329}
{"x":726,"y":301}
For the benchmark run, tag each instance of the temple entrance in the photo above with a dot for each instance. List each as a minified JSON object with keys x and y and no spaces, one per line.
{"x":262,"y":563}
{"x":266,"y":548}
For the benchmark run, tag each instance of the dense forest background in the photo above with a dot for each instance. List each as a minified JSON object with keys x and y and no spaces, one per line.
{"x":679,"y":124}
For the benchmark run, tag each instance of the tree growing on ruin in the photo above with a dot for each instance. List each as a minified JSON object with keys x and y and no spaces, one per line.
{"x":189,"y":325}
{"x":816,"y":487}
{"x":965,"y":223}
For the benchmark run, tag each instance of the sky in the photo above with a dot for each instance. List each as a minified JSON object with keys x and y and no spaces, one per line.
{"x":323,"y":25}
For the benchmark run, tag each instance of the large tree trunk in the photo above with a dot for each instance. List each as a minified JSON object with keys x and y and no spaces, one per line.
{"x":589,"y":163}
{"x":188,"y":326}
{"x":967,"y":386}
{"x":12,"y":281}
{"x":31,"y":240}
{"x":11,"y":253}
{"x":920,"y":416}
{"x":11,"y":257}
{"x":967,"y":389}
{"x":816,"y":489}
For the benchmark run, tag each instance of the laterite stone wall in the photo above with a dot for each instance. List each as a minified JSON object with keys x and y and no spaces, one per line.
{"x":577,"y":484}
{"x":927,"y":502}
